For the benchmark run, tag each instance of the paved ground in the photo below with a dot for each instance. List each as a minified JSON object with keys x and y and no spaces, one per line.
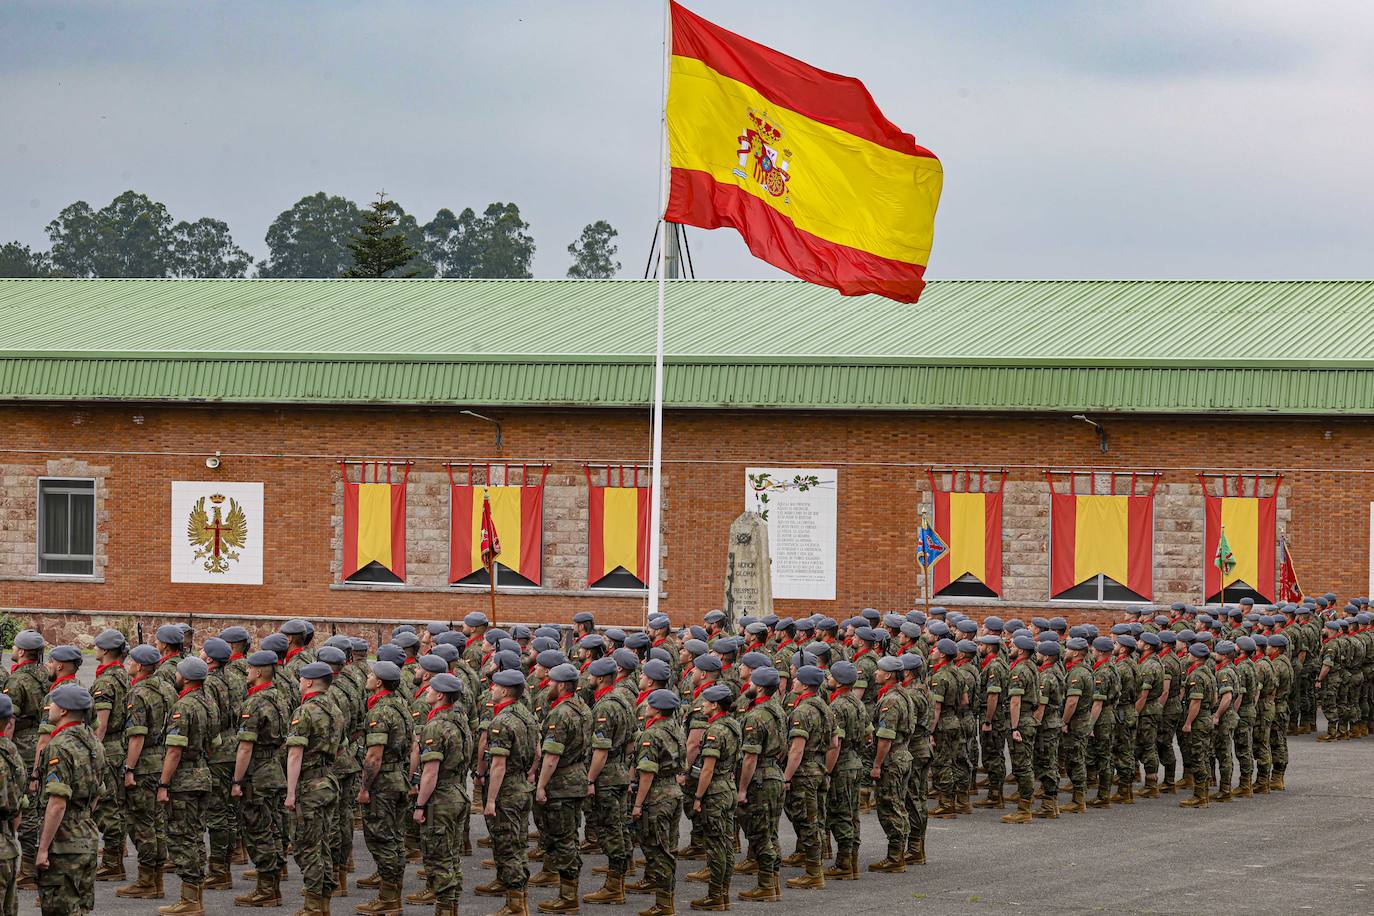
{"x":1306,"y":849}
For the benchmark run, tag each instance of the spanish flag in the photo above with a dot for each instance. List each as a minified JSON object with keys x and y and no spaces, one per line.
{"x":971,"y":524}
{"x":1251,"y":527}
{"x":800,"y":161}
{"x":617,"y":532}
{"x":1101,"y":535}
{"x":516,"y":512}
{"x":374,"y":527}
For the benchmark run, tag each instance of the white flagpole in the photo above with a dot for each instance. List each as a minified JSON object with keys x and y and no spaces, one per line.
{"x":655,"y":476}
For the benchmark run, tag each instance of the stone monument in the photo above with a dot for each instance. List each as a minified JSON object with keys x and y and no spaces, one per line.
{"x":748,"y":577}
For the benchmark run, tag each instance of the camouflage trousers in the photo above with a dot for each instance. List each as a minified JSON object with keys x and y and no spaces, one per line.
{"x":316,"y":797}
{"x":9,"y":894}
{"x":1244,"y":740}
{"x":441,"y":843}
{"x":993,"y":746}
{"x":842,"y":810}
{"x":802,"y":804}
{"x":509,"y":831}
{"x":1123,"y":749}
{"x":658,"y":833}
{"x":606,"y":821}
{"x":1100,"y":759}
{"x":1023,"y":757}
{"x":917,"y":789}
{"x":759,"y":819}
{"x":1147,"y":744}
{"x":341,"y":840}
{"x":1264,"y":761}
{"x":1199,"y":752}
{"x":1168,"y":760}
{"x":718,"y":836}
{"x":67,"y":886}
{"x":561,"y":853}
{"x":1047,"y":758}
{"x":965,"y":773}
{"x":222,"y":812}
{"x":1223,"y":748}
{"x":259,"y":812}
{"x":147,"y":821}
{"x":1075,"y":745}
{"x":384,"y":818}
{"x":109,"y":810}
{"x":186,"y":835}
{"x":890,"y":796}
{"x":1331,"y":691}
{"x":1278,"y":742}
{"x":949,"y":752}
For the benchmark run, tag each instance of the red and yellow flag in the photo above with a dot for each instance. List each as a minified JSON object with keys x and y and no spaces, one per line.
{"x":971,"y":524}
{"x":1251,"y":525}
{"x":516,"y":512}
{"x":374,"y":527}
{"x":617,"y":532}
{"x":1101,"y":535}
{"x":800,"y":161}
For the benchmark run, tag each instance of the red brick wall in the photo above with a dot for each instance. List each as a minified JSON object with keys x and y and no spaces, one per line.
{"x":881,"y":458}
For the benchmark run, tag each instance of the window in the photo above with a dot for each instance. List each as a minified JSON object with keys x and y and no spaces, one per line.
{"x":375,"y":573}
{"x":505,"y":578}
{"x":1236,"y":591}
{"x":619,"y":579}
{"x":966,"y":586}
{"x":1099,"y":588}
{"x":66,"y":527}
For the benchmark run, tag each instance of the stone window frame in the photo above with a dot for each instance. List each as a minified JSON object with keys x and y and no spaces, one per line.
{"x":1093,"y":490}
{"x":39,"y":489}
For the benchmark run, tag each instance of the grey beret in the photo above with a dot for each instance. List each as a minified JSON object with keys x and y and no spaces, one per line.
{"x":402,"y":628}
{"x":1024,"y":643}
{"x":664,"y":700}
{"x":217,"y":649}
{"x":316,"y":670}
{"x":889,"y":663}
{"x":446,"y":652}
{"x":1075,"y":644}
{"x":391,"y":653}
{"x":508,"y":645}
{"x":1149,"y":639}
{"x":73,"y":698}
{"x":193,"y":669}
{"x":387,"y":671}
{"x":657,"y":670}
{"x":1199,"y":649}
{"x":638,"y":640}
{"x":584,"y":617}
{"x":520,"y":631}
{"x":110,"y":639}
{"x":262,"y":659}
{"x":661,"y":653}
{"x":600,"y":668}
{"x":359,"y":645}
{"x":276,"y":643}
{"x":563,"y":674}
{"x":434,"y":628}
{"x":716,"y":692}
{"x":65,"y":654}
{"x":765,"y":677}
{"x":1102,"y":644}
{"x":696,"y":647}
{"x":445,"y":683}
{"x":987,"y":639}
{"x":508,"y":679}
{"x":947,"y":647}
{"x":1126,"y":640}
{"x":506,"y":660}
{"x":145,"y":655}
{"x":756,"y":660}
{"x":707,"y":663}
{"x":295,"y":627}
{"x":340,"y":641}
{"x":331,"y":655}
{"x":659,"y":622}
{"x":810,"y":675}
{"x":542,"y":644}
{"x":1260,"y":640}
{"x":551,"y":658}
{"x":6,"y":706}
{"x":966,"y":645}
{"x":626,"y":659}
{"x":1226,"y":647}
{"x":434,"y":664}
{"x":457,"y":640}
{"x":406,"y":640}
{"x":476,"y":619}
{"x":715,"y":616}
{"x":234,"y":634}
{"x":911,"y":661}
{"x":844,"y":672}
{"x":1278,"y":640}
{"x":169,"y":635}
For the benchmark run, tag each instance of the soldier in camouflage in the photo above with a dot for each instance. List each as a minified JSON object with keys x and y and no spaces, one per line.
{"x":73,"y":777}
{"x":259,"y":780}
{"x":313,"y":743}
{"x":109,"y":695}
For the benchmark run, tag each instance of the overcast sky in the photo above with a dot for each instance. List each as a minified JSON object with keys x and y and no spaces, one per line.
{"x":1079,"y":139}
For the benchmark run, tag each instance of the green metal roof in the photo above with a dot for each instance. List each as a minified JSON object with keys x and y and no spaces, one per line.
{"x":1292,"y":347}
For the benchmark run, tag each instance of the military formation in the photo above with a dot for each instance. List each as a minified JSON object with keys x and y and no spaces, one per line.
{"x":586,"y":741}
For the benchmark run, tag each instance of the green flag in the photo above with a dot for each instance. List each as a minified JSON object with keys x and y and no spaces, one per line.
{"x":1225,"y":560}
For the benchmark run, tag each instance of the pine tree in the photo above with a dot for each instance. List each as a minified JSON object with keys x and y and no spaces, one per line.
{"x":381,"y":249}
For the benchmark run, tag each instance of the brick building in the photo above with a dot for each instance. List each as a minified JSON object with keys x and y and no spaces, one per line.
{"x":111,"y":391}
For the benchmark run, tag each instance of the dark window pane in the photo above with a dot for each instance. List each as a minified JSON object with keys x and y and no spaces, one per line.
{"x":82,"y":524}
{"x":1115,"y":591}
{"x":617,"y":579}
{"x":505,"y":576}
{"x":375,"y":572}
{"x":480,"y":577}
{"x":966,"y":586}
{"x":1084,"y":591}
{"x":54,"y":523}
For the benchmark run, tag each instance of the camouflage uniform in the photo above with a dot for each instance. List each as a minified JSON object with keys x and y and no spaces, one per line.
{"x":722,"y":741}
{"x":75,"y":771}
{"x":512,"y":734}
{"x":1150,"y":679}
{"x":190,"y":728}
{"x":946,"y":689}
{"x":662,"y":750}
{"x":1228,"y":681}
{"x":1079,"y":683}
{"x":445,"y":739}
{"x":389,"y":727}
{"x":1106,"y":688}
{"x":918,"y":787}
{"x":12,"y":779}
{"x":763,"y":728}
{"x":149,"y":707}
{"x":110,"y":693}
{"x":27,"y":687}
{"x":345,"y":694}
{"x":1172,"y":717}
{"x":567,"y":734}
{"x":1278,"y":730}
{"x":969,"y":718}
{"x":1024,"y":682}
{"x":994,"y":677}
{"x":221,"y":812}
{"x":1264,"y":717}
{"x":1200,"y":684}
{"x":613,"y":730}
{"x":1126,"y":722}
{"x":263,"y":724}
{"x":892,"y":721}
{"x":811,"y":720}
{"x":842,"y":812}
{"x":315,"y":729}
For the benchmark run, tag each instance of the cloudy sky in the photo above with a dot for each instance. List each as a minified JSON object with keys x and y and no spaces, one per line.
{"x":1080,"y":139}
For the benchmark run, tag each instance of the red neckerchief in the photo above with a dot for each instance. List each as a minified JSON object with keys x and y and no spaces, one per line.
{"x":714,"y":717}
{"x":960,"y":662}
{"x":1048,"y":663}
{"x":696,"y":692}
{"x":293,"y":652}
{"x":834,"y":694}
{"x":585,"y":666}
{"x":660,"y":641}
{"x":1222,"y":662}
{"x":438,"y":709}
{"x":543,"y":683}
{"x":141,"y":677}
{"x":783,"y":645}
{"x":938,"y":665}
{"x":1181,"y":653}
{"x":756,"y":647}
{"x":310,"y":696}
{"x":760,"y":700}
{"x":1146,"y":654}
{"x":603,"y":691}
{"x":804,"y":696}
{"x":486,"y":657}
{"x":101,"y":669}
{"x":61,"y":728}
{"x":885,"y":688}
{"x":496,"y":710}
{"x":189,"y":688}
{"x":858,"y":654}
{"x":64,"y":678}
{"x":559,"y":699}
{"x":726,"y":666}
{"x":233,"y":656}
{"x":173,"y":655}
{"x":652,"y":720}
{"x":1100,"y":662}
{"x":1068,"y":665}
{"x":258,"y":688}
{"x":644,"y":695}
{"x":372,"y":700}
{"x":17,"y":665}
{"x":410,"y":660}
{"x":419,"y":690}
{"x":992,"y":657}
{"x":1193,"y":666}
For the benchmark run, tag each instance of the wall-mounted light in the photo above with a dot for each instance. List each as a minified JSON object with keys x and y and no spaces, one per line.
{"x":496,"y":423}
{"x":1101,"y":433}
{"x":213,"y":462}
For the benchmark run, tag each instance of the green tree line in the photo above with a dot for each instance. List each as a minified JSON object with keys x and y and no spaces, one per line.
{"x":320,"y":235}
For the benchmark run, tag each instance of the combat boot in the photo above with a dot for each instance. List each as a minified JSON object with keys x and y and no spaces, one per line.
{"x":28,"y":875}
{"x":266,"y":893}
{"x":767,"y":889}
{"x":219,"y":877}
{"x":188,"y":905}
{"x":1078,"y":805}
{"x":386,"y":903}
{"x":1049,"y":809}
{"x":841,"y":869}
{"x":795,"y":860}
{"x":517,"y":904}
{"x":916,"y":852}
{"x":147,"y":886}
{"x":341,"y":882}
{"x":371,"y":882}
{"x":1276,"y":781}
{"x":663,"y":906}
{"x":422,"y":898}
{"x":1262,"y":784}
{"x":111,"y":865}
{"x":747,"y":867}
{"x":445,"y":909}
{"x":717,"y":899}
{"x":545,"y":878}
{"x":613,"y":891}
{"x":240,"y":854}
{"x":1128,"y":793}
{"x":644,"y":885}
{"x":315,"y":905}
{"x":1101,"y":800}
{"x":692,"y":850}
{"x":701,"y":874}
{"x":494,"y":888}
{"x":567,"y":900}
{"x":994,"y":800}
{"x":894,"y":863}
{"x":1199,"y":799}
{"x":947,"y":809}
{"x":813,"y":880}
{"x":961,"y":803}
{"x":1022,"y":814}
{"x":1224,"y":794}
{"x":1329,"y":734}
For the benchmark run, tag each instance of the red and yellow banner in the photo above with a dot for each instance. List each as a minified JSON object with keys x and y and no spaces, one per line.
{"x":517,"y":513}
{"x":374,"y":527}
{"x":617,"y":532}
{"x":971,"y":524}
{"x":1252,"y":532}
{"x":800,"y":161}
{"x":1101,"y":535}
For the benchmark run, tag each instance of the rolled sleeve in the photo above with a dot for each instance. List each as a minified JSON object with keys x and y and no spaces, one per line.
{"x":296,"y":741}
{"x":553,"y":746}
{"x":176,"y":741}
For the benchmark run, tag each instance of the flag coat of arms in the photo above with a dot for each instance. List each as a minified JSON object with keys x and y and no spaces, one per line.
{"x":930,"y":548}
{"x":217,"y":532}
{"x":799,"y":161}
{"x":1290,"y":590}
{"x":491,"y":543}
